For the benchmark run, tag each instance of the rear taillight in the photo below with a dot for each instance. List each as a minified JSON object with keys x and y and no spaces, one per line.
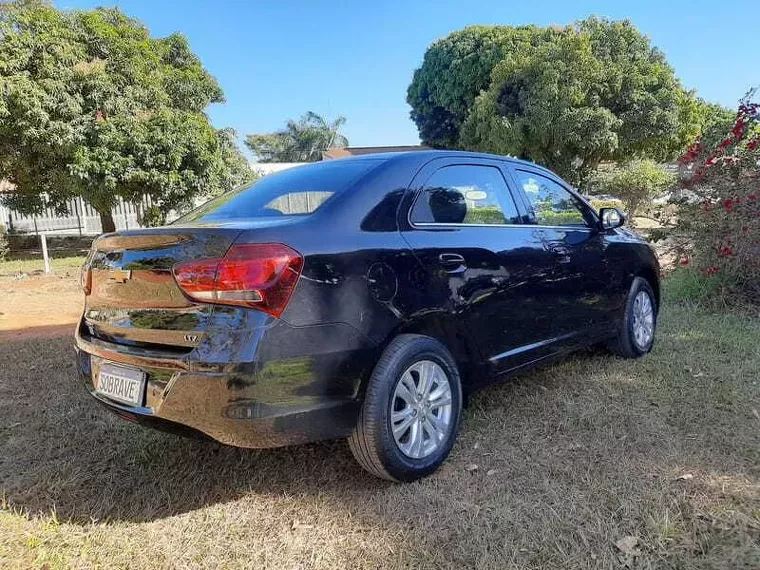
{"x":257,"y":275}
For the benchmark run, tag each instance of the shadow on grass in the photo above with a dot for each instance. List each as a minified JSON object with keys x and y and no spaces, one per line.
{"x":61,"y":451}
{"x":569,"y":460}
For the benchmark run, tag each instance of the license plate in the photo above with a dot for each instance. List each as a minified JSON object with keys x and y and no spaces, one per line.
{"x":121,"y":384}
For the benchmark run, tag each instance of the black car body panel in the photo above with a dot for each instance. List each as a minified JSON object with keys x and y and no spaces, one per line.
{"x":501,"y":297}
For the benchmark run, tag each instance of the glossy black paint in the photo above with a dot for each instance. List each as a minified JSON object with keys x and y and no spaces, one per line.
{"x":500,"y":297}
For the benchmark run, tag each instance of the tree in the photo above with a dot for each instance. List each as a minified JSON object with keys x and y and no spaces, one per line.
{"x":455,"y":70}
{"x":542,"y":106}
{"x":598,"y":92}
{"x":91,"y":105}
{"x":234,"y":168}
{"x":565,"y":97}
{"x":713,"y":122}
{"x":301,"y":141}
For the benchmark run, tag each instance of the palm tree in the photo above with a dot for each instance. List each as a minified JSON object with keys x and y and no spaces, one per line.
{"x":301,"y":141}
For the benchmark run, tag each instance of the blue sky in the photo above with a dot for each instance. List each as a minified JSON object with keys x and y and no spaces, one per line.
{"x":278,"y":59}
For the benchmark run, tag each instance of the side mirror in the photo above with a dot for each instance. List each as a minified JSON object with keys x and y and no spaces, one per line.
{"x":611,"y":218}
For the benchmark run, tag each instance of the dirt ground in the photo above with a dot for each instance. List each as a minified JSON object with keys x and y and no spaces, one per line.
{"x":39,"y":305}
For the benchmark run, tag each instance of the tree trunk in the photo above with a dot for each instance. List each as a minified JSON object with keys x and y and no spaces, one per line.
{"x":106,"y":221}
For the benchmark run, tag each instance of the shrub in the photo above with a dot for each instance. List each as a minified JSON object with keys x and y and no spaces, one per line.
{"x":721,"y":217}
{"x":636,"y":183}
{"x":685,"y":284}
{"x":488,"y":215}
{"x":598,"y":204}
{"x":4,"y":246}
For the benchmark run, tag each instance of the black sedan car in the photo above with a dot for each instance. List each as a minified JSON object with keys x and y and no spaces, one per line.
{"x":360,"y":298}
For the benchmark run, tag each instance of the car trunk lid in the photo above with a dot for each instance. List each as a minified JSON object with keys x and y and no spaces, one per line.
{"x":134,"y":298}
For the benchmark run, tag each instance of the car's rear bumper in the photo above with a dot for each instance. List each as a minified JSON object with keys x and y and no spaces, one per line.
{"x":298,"y":392}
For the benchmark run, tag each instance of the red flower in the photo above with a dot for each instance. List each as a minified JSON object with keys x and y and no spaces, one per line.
{"x":728,"y":204}
{"x":751,"y":145}
{"x":691,"y":153}
{"x":685,"y":261}
{"x":738,"y":129}
{"x":725,"y":251}
{"x":752,"y":197}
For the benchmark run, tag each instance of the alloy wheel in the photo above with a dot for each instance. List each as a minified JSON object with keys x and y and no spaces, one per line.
{"x":643,"y":320}
{"x":421,"y":412}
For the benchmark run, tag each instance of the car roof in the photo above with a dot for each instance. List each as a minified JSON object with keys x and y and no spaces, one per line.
{"x":424,"y":156}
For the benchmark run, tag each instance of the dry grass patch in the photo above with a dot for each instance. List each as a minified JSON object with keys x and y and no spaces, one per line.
{"x":58,"y":265}
{"x":552,"y":470}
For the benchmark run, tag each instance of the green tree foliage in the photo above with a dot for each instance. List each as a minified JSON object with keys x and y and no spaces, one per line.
{"x":455,"y":70}
{"x":568,"y":98}
{"x":300,"y":141}
{"x":91,"y":105}
{"x":713,"y":121}
{"x":234,"y":168}
{"x":636,"y":183}
{"x":4,"y":246}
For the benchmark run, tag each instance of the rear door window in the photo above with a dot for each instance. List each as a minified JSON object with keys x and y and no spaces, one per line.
{"x":465,"y":194}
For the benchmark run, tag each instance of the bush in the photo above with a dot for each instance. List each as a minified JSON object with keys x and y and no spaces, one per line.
{"x":636,"y":183}
{"x":4,"y":246}
{"x":487,"y":215}
{"x":721,"y":219}
{"x":685,"y":284}
{"x":598,"y":204}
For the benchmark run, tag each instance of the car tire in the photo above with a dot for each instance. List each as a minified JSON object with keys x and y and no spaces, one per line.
{"x":627,"y":342}
{"x":403,"y":457}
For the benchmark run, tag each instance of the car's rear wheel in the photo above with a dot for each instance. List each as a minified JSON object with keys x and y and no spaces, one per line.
{"x":636,"y":332}
{"x":411,"y":410}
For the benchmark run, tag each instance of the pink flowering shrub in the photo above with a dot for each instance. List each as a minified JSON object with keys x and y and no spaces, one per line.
{"x":720,"y":213}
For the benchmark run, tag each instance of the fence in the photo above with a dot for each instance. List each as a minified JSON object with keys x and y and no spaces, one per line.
{"x":80,"y":219}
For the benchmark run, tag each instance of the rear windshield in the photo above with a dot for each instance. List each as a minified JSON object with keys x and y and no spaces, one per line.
{"x":294,"y":192}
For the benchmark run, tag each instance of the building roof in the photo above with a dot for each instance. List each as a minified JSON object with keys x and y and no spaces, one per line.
{"x":361,"y":150}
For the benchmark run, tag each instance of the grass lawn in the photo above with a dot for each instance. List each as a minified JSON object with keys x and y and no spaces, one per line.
{"x":595,"y":462}
{"x":58,"y":265}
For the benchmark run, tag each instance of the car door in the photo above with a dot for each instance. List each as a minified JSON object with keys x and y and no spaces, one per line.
{"x":479,"y":263}
{"x":578,"y":286}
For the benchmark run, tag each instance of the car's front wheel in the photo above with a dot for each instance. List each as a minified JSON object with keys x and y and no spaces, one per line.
{"x":635,"y":335}
{"x":411,"y":410}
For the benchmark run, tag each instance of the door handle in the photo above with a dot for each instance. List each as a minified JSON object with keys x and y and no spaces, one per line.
{"x":452,"y":262}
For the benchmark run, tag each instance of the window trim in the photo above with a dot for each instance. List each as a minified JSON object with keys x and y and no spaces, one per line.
{"x":562,"y":185}
{"x":419,"y":191}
